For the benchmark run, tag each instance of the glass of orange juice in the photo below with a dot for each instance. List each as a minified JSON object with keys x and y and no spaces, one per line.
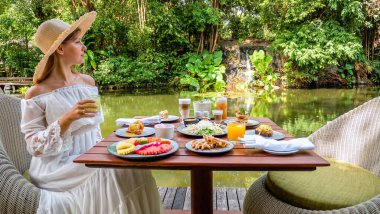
{"x":235,"y":130}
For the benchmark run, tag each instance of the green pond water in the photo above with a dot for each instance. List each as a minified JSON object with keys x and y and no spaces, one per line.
{"x":300,"y":112}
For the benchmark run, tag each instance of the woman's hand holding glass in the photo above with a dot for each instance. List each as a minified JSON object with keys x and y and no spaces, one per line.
{"x":83,"y":109}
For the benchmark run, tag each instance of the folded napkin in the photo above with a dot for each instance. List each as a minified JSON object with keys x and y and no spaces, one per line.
{"x":147,"y":120}
{"x":259,"y":142}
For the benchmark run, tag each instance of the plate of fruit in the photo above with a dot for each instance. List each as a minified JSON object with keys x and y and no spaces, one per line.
{"x":135,"y":129}
{"x":143,"y":148}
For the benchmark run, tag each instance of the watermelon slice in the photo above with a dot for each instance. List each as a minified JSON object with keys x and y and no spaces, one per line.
{"x":154,"y":150}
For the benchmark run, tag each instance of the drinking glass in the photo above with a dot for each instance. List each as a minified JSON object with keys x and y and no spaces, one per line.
{"x":203,"y":105}
{"x":96,"y":98}
{"x":221,"y":104}
{"x":235,"y":130}
{"x":218,"y":114}
{"x":184,"y":107}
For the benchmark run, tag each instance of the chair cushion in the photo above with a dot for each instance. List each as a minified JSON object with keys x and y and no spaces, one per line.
{"x":26,"y":175}
{"x":337,"y":186}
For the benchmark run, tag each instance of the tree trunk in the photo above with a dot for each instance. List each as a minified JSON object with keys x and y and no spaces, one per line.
{"x":214,"y":29}
{"x":141,"y":10}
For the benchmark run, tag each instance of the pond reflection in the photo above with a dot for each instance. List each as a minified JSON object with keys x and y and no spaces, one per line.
{"x":299,"y":111}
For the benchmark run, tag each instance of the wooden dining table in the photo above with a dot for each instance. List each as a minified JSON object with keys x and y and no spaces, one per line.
{"x":202,"y":166}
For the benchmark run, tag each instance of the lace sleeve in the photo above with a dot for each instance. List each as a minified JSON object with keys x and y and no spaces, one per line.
{"x":42,"y":140}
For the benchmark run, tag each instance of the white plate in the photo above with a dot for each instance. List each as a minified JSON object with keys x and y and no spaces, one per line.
{"x":147,"y":131}
{"x":280,"y":152}
{"x":248,"y":124}
{"x":276,"y":135}
{"x":112,"y":149}
{"x":209,"y":151}
{"x":171,"y":118}
{"x":182,"y":127}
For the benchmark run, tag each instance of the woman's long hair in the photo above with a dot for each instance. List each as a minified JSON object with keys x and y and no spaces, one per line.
{"x":53,"y":61}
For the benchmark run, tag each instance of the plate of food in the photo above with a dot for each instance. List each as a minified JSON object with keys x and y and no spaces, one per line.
{"x":209,"y":145}
{"x":267,"y":132}
{"x":143,"y":148}
{"x":204,"y":127}
{"x":165,"y":117}
{"x":248,"y":123}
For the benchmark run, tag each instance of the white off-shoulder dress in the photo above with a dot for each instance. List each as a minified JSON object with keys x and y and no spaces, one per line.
{"x":68,"y":187}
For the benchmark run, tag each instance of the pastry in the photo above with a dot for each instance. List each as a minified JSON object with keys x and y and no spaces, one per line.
{"x":164,"y":114}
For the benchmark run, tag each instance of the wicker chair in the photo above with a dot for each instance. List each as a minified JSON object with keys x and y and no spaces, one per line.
{"x":353,"y":137}
{"x":17,"y":195}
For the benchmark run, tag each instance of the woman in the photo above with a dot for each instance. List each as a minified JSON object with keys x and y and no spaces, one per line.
{"x":60,"y":123}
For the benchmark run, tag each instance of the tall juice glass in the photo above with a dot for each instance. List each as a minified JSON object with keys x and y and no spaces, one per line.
{"x":184,"y":107}
{"x":235,"y":130}
{"x":221,"y":104}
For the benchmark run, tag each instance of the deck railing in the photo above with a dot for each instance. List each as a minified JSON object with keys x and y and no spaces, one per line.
{"x":16,"y":80}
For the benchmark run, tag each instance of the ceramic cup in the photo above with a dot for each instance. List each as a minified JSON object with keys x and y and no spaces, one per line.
{"x":164,"y":130}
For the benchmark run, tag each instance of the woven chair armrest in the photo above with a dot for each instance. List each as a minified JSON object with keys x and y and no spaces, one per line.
{"x":17,"y":195}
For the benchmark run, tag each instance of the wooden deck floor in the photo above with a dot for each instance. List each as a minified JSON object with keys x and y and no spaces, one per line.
{"x":224,"y":199}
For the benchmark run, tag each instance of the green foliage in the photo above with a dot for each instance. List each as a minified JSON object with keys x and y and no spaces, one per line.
{"x":310,"y":34}
{"x":314,"y":45}
{"x":197,"y":16}
{"x":18,"y":25}
{"x":375,"y":74}
{"x":146,"y":70}
{"x":23,"y":90}
{"x":168,"y":28}
{"x":261,"y":65}
{"x":347,"y":72}
{"x":205,"y":72}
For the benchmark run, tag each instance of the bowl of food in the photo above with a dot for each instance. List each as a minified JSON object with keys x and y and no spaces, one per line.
{"x":190,"y":120}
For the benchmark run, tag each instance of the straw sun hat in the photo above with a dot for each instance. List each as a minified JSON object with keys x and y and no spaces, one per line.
{"x":50,"y":34}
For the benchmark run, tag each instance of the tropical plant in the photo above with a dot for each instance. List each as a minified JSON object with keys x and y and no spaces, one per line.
{"x":205,"y":72}
{"x":261,"y":67}
{"x":314,"y":45}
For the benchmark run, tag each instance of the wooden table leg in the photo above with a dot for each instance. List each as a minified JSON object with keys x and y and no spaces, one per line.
{"x":201,"y":191}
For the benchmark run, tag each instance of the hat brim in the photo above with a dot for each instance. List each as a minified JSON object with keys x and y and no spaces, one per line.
{"x":83,"y":23}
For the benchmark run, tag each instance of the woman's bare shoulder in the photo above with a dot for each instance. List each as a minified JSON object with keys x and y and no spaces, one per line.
{"x":36,"y":90}
{"x":88,"y":79}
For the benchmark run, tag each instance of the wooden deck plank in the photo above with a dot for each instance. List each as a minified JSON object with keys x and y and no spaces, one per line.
{"x":221,"y":199}
{"x":187,"y":203}
{"x":162,"y":192}
{"x":169,"y":198}
{"x":241,"y":194}
{"x":214,"y":198}
{"x":179,"y":198}
{"x":225,"y":200}
{"x":232,"y":199}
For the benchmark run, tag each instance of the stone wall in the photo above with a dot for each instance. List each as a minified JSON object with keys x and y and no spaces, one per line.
{"x":236,"y":56}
